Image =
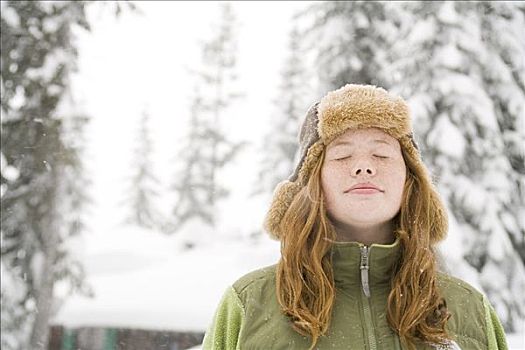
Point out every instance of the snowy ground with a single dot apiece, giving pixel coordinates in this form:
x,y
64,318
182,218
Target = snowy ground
x,y
143,280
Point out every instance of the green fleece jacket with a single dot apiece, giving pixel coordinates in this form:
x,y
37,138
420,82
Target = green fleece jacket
x,y
249,316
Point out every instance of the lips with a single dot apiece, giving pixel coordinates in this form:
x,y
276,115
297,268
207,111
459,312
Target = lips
x,y
364,188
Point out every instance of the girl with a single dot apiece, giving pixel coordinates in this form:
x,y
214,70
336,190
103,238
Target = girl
x,y
358,222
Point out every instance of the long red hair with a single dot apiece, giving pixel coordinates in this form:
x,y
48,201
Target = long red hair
x,y
305,279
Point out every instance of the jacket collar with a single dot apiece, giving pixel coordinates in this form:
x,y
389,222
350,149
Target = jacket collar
x,y
346,262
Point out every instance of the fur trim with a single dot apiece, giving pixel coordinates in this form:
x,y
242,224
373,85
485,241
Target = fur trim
x,y
286,191
282,198
357,106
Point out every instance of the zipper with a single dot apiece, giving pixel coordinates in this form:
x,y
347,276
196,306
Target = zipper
x,y
365,298
364,271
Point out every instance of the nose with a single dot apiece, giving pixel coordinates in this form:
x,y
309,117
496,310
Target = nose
x,y
361,168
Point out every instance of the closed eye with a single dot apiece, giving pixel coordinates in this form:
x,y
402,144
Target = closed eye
x,y
343,158
378,156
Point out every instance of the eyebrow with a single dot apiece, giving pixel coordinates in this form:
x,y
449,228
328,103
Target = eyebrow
x,y
350,143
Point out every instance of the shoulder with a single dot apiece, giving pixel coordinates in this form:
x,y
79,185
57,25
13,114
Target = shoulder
x,y
462,298
256,281
454,287
467,309
256,277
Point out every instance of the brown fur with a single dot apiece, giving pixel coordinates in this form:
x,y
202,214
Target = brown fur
x,y
357,107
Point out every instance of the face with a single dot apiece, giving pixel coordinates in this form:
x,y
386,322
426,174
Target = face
x,y
362,178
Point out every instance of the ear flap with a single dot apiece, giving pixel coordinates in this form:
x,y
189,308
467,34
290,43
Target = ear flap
x,y
282,198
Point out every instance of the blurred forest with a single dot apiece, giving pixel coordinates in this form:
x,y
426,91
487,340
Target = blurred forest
x,y
460,65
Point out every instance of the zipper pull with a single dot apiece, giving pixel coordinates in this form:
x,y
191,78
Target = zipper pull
x,y
364,271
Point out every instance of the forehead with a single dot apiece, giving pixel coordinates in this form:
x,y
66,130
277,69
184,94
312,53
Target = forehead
x,y
364,136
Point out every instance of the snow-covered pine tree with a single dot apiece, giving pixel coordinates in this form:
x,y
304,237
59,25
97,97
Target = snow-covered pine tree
x,y
463,84
502,30
208,149
73,192
36,59
192,180
75,183
142,193
280,145
351,41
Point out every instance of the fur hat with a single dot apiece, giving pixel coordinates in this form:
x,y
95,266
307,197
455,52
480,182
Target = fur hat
x,y
349,107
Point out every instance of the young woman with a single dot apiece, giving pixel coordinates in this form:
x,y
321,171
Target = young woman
x,y
358,222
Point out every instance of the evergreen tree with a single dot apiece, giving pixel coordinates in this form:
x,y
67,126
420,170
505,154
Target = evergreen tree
x,y
466,88
207,149
143,192
37,58
280,145
43,181
350,41
72,192
502,31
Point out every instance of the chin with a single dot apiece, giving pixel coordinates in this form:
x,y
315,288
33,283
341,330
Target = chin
x,y
363,220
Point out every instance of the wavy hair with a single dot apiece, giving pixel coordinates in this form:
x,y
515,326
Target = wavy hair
x,y
305,280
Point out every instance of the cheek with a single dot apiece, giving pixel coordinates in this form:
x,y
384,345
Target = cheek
x,y
331,178
398,180
328,184
393,176
325,188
